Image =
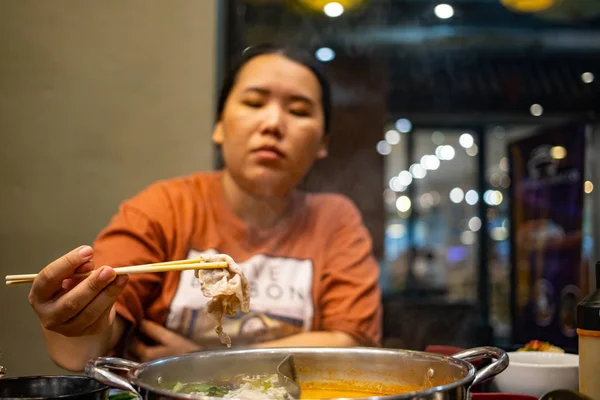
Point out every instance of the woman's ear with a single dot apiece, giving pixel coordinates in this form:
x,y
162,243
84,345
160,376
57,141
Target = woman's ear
x,y
323,150
217,136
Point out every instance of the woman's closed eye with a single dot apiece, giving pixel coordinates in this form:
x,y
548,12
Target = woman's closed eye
x,y
301,110
254,99
254,103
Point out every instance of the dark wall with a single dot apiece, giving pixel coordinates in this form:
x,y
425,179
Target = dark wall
x,y
354,167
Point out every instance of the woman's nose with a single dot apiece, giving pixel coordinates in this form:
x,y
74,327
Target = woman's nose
x,y
273,120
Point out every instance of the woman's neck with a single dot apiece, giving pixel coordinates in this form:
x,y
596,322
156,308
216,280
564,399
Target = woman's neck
x,y
258,212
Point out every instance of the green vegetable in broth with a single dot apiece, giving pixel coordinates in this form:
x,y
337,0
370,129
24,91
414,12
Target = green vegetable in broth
x,y
239,387
196,388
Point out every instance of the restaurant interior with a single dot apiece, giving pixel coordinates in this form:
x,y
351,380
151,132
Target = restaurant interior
x,y
428,98
438,106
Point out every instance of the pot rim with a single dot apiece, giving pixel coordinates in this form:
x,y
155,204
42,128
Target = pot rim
x,y
466,381
103,387
571,360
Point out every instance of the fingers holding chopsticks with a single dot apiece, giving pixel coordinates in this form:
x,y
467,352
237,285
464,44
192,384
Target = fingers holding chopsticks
x,y
70,283
50,279
90,297
75,306
72,298
94,317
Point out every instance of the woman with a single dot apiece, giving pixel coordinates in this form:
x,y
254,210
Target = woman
x,y
308,256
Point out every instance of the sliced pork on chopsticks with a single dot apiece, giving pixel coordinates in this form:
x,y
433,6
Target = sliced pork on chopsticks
x,y
227,289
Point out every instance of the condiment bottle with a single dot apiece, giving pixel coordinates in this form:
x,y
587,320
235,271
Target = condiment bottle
x,y
588,330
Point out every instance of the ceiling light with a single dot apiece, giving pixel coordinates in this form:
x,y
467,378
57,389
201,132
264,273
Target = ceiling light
x,y
403,204
558,152
472,197
333,9
392,137
456,195
493,197
430,162
528,6
466,140
447,153
444,11
403,125
325,54
588,187
536,110
475,224
417,171
405,178
396,185
587,77
384,148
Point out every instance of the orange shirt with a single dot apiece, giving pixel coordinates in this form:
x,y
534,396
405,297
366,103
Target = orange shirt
x,y
315,271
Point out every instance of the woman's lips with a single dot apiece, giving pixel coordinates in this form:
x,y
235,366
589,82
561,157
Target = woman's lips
x,y
269,153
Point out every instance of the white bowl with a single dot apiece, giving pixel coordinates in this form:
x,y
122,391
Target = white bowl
x,y
536,373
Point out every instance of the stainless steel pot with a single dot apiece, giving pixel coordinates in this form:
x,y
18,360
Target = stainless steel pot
x,y
438,377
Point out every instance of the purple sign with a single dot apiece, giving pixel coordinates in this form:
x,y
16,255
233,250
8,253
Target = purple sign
x,y
546,204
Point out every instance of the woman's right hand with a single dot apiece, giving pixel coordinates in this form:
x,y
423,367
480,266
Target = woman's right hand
x,y
73,307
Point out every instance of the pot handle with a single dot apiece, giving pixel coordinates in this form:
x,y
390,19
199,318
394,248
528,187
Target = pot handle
x,y
99,369
498,365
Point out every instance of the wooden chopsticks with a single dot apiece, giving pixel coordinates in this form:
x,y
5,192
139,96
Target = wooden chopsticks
x,y
180,265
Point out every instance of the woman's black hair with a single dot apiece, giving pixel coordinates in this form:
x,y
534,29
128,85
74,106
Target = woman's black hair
x,y
297,55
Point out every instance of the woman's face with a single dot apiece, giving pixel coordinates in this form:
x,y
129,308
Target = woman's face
x,y
272,126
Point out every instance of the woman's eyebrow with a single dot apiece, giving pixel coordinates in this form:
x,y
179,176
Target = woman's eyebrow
x,y
292,97
256,89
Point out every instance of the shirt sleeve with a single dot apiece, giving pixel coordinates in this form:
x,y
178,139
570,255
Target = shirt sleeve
x,y
351,295
137,234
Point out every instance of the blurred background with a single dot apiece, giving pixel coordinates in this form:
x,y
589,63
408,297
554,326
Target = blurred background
x,y
434,102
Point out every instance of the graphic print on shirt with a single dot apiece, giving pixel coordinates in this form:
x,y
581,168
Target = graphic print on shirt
x,y
280,303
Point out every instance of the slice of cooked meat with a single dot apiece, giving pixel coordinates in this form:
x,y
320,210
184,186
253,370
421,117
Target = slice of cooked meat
x,y
227,289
